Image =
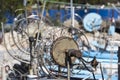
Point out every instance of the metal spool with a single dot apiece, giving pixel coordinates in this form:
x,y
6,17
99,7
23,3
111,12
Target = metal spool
x,y
59,47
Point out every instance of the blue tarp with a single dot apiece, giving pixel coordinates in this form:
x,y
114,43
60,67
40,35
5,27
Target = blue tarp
x,y
105,13
100,54
9,18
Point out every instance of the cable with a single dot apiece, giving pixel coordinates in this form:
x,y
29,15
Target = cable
x,y
86,66
101,72
93,75
89,70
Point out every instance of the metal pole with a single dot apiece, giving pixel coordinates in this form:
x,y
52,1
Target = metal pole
x,y
41,20
68,70
67,62
73,17
72,13
118,63
31,40
3,67
25,5
25,2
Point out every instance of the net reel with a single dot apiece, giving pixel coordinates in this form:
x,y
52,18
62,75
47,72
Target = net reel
x,y
92,22
59,48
